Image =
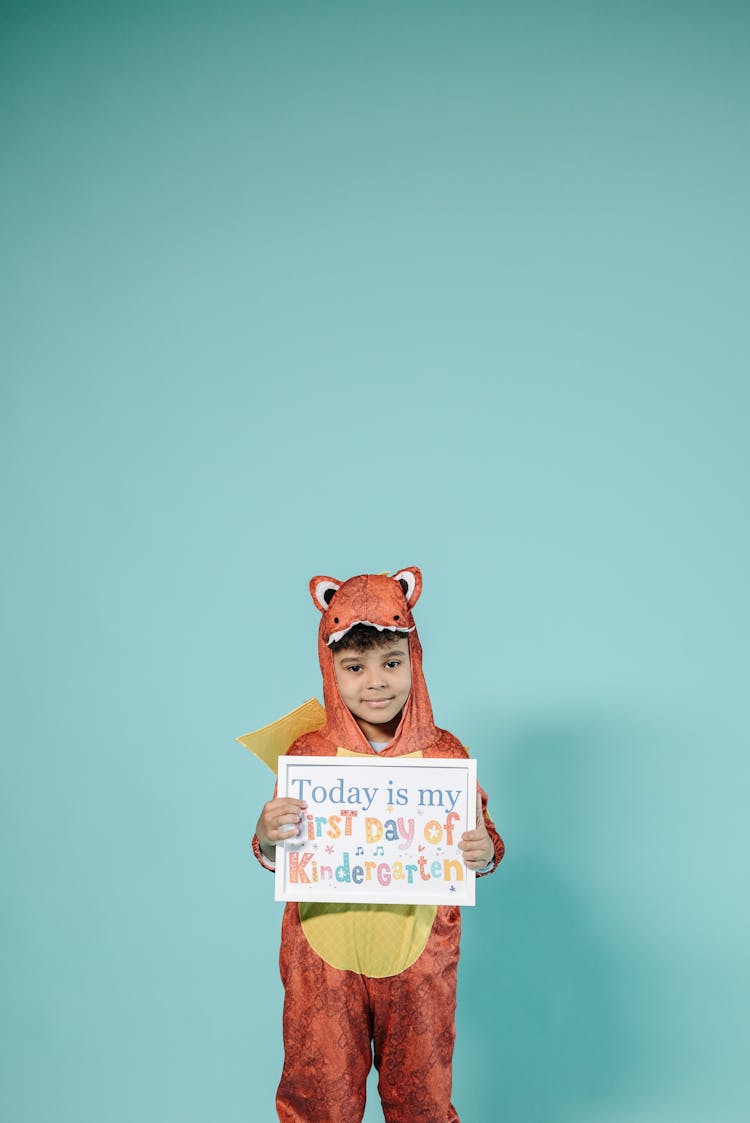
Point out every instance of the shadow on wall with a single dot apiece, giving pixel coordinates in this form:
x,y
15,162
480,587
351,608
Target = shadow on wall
x,y
541,1029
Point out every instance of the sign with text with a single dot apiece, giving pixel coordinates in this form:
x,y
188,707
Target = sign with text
x,y
377,830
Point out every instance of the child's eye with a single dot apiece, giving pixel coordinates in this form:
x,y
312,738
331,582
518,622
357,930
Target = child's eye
x,y
392,664
354,667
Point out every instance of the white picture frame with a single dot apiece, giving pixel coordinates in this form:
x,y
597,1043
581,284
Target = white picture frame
x,y
378,830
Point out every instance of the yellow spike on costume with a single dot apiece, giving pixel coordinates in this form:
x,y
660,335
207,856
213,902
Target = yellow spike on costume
x,y
272,741
341,751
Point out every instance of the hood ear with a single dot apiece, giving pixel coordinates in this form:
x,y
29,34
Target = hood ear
x,y
410,581
321,591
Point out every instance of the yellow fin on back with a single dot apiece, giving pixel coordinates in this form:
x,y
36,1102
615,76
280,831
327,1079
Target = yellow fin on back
x,y
272,741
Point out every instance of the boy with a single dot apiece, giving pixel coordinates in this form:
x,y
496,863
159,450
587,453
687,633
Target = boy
x,y
359,978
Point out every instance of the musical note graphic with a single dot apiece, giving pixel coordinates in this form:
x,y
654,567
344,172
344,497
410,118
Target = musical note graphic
x,y
378,851
358,851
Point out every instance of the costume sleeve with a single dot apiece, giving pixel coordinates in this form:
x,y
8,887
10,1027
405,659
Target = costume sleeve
x,y
266,863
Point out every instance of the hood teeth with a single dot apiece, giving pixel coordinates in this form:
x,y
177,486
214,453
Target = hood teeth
x,y
336,636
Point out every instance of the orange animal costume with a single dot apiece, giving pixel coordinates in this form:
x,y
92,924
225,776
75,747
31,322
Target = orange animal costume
x,y
363,978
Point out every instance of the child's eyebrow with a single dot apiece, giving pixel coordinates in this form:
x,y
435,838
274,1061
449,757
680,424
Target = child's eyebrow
x,y
384,654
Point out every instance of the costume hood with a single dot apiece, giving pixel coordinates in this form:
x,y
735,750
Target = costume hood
x,y
384,603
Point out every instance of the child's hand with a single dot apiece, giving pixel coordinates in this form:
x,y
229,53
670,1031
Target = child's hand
x,y
279,820
477,847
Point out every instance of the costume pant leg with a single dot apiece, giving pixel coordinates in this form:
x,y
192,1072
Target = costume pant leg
x,y
327,1035
414,1030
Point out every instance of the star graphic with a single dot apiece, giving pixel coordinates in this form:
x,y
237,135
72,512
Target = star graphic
x,y
453,889
329,850
432,834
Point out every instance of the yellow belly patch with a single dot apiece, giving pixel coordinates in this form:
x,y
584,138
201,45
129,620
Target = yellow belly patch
x,y
374,940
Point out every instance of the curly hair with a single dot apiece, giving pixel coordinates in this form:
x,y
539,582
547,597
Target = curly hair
x,y
363,637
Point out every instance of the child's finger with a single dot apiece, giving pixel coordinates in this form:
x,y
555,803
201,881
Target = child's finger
x,y
474,836
287,803
288,823
281,819
478,858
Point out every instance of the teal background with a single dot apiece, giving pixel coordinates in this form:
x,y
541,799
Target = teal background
x,y
322,288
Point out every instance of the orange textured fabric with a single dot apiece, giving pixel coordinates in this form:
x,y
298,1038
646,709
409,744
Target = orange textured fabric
x,y
334,1020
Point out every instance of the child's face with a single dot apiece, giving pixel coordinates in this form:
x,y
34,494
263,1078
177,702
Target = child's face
x,y
375,685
